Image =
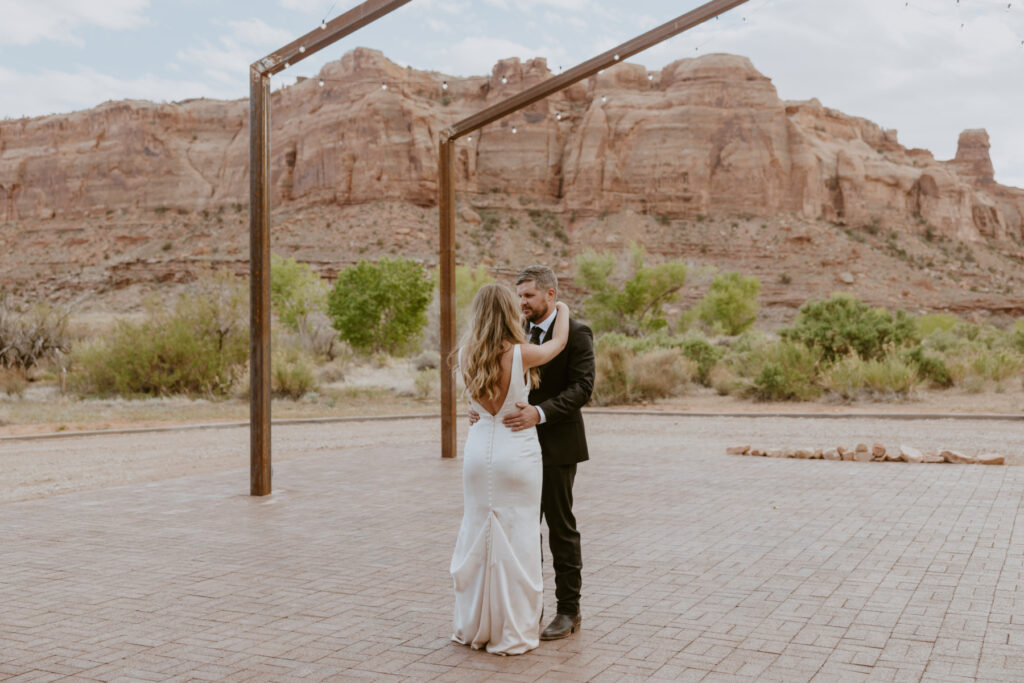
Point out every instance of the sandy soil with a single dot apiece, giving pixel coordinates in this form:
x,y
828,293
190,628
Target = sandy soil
x,y
34,468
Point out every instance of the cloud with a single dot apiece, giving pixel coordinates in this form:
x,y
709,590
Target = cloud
x,y
50,91
226,59
25,23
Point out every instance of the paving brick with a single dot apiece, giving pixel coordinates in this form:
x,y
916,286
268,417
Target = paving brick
x,y
725,568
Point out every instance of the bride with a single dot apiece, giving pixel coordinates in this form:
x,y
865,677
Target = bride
x,y
496,566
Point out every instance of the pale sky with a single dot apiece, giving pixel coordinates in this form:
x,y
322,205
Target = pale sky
x,y
929,68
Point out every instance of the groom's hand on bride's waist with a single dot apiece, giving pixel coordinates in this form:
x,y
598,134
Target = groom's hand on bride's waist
x,y
527,416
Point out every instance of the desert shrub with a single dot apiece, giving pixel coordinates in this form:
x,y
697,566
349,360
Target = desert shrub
x,y
702,353
842,325
934,322
13,381
1017,335
625,375
291,373
788,371
31,335
632,304
845,377
890,374
381,307
428,383
929,368
730,306
725,381
198,347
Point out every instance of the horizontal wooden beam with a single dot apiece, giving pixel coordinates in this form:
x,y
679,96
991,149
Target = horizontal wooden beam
x,y
590,67
319,38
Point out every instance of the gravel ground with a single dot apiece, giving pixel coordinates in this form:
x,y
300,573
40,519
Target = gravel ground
x,y
38,468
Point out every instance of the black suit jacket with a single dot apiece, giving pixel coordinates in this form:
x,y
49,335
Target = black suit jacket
x,y
566,383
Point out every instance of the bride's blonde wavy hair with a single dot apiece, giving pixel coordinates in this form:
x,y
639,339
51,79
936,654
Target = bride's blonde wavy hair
x,y
496,323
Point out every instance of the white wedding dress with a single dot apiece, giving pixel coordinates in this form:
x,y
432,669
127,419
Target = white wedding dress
x,y
496,566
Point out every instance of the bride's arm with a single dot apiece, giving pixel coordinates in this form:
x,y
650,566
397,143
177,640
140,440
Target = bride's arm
x,y
535,355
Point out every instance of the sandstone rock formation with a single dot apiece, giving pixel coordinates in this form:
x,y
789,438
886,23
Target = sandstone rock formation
x,y
703,136
878,453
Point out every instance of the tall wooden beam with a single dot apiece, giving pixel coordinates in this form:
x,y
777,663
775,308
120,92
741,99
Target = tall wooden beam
x,y
259,283
446,204
491,114
259,218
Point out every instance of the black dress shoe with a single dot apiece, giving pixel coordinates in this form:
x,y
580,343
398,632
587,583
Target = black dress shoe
x,y
562,626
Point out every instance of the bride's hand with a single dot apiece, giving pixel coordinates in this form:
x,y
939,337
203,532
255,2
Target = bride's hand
x,y
560,305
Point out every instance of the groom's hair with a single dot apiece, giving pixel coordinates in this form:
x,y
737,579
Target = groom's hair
x,y
542,276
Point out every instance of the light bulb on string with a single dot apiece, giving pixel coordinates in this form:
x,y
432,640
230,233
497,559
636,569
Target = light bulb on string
x,y
286,65
615,57
444,85
323,23
383,86
514,130
321,83
650,77
558,117
302,48
469,139
504,79
604,98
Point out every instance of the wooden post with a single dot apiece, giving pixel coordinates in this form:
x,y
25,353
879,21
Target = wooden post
x,y
446,266
259,282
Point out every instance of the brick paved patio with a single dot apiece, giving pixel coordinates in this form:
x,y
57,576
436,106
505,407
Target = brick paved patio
x,y
697,566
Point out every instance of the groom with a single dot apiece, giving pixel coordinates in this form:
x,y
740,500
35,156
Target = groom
x,y
565,386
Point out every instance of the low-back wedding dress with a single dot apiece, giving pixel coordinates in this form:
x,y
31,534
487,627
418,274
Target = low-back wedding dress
x,y
496,566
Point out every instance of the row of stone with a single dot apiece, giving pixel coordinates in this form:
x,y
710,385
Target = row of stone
x,y
876,453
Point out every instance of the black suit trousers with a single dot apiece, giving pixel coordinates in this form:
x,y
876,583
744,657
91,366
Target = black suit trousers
x,y
563,538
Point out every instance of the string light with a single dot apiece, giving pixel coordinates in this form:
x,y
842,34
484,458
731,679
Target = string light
x,y
558,117
615,56
604,98
444,85
321,83
383,86
650,77
302,48
323,23
514,130
504,79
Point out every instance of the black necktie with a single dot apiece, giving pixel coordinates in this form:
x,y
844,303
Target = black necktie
x,y
535,334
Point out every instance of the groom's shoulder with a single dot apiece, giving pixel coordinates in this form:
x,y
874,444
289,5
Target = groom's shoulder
x,y
576,328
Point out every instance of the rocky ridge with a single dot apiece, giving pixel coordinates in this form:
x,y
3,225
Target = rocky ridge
x,y
701,160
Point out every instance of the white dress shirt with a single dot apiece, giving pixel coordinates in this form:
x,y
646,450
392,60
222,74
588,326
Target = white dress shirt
x,y
544,326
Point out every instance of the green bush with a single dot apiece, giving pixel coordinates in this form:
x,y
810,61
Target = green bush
x,y
890,374
467,282
381,307
199,347
296,291
428,384
934,322
730,306
930,368
788,372
701,352
842,325
630,305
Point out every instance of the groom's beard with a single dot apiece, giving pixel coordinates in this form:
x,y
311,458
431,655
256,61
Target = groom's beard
x,y
535,315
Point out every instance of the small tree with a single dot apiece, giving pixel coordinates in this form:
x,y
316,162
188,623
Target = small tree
x,y
842,324
730,306
635,304
381,306
467,282
296,291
